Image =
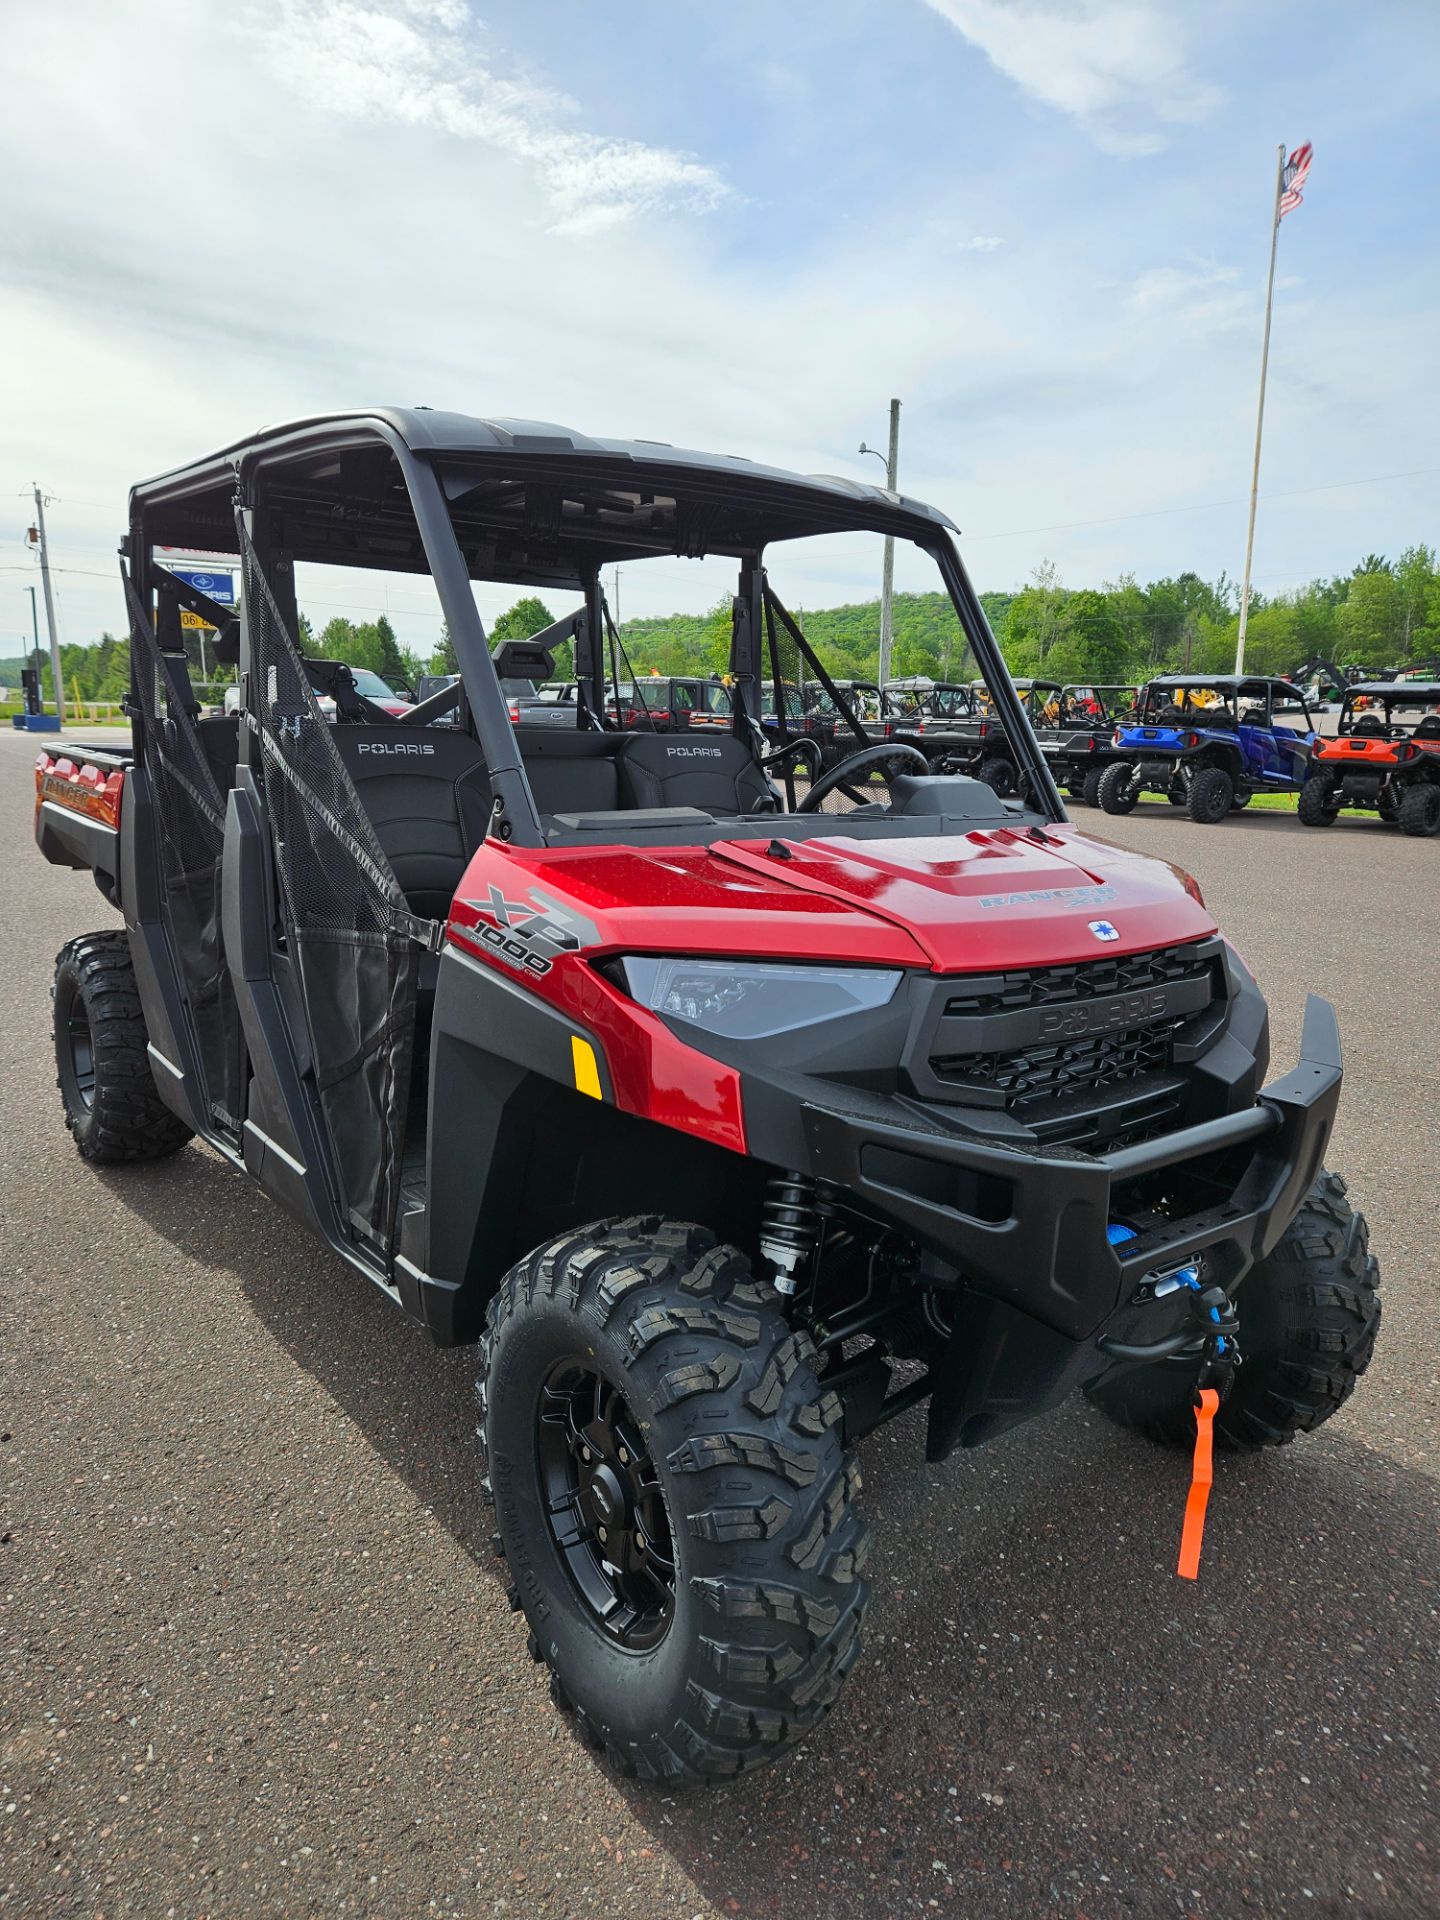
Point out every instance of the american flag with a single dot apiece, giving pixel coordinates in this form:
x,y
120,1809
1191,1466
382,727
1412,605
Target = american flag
x,y
1297,171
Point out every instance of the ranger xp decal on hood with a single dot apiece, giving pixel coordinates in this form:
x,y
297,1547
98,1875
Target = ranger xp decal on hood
x,y
1067,896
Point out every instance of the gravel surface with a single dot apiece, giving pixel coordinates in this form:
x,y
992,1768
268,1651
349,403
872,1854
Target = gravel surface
x,y
257,1660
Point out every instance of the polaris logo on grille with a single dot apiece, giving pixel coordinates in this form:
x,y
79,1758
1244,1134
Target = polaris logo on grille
x,y
1130,1010
1103,930
396,746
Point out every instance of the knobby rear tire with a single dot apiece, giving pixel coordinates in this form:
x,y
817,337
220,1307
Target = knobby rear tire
x,y
998,773
1419,811
1114,790
1317,806
758,1487
112,1105
1212,792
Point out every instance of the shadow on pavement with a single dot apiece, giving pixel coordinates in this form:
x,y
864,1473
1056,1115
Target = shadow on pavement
x,y
1045,1718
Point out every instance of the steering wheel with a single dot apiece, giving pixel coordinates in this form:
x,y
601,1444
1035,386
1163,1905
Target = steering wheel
x,y
838,776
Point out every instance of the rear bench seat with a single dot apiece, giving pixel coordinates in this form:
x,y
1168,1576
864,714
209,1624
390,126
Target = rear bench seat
x,y
573,773
428,795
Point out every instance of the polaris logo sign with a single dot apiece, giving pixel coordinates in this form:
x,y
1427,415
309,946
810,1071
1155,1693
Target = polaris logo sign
x,y
1078,1019
396,746
694,753
1103,1016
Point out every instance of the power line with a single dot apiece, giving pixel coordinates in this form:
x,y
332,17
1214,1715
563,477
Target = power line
x,y
89,573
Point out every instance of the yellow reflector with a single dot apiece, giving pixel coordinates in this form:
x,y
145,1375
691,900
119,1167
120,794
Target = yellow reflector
x,y
587,1069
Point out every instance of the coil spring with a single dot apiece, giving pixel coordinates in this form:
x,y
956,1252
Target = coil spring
x,y
790,1227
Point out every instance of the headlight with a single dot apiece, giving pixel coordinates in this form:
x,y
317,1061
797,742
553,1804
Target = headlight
x,y
752,1001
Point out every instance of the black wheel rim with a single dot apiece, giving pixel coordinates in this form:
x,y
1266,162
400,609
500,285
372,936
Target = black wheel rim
x,y
604,1506
80,1056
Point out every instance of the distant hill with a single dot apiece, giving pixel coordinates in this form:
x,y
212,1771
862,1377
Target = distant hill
x,y
926,637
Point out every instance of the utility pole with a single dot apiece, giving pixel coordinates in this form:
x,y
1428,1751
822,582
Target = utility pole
x,y
1260,415
49,606
887,579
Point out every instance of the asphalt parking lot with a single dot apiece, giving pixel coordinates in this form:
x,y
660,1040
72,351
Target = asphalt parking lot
x,y
257,1661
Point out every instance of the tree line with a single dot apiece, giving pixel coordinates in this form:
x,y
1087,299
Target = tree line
x,y
1384,613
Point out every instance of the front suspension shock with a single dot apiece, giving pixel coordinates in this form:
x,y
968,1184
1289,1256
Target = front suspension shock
x,y
790,1228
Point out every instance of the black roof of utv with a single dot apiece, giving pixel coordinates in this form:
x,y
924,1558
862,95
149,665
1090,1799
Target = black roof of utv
x,y
531,501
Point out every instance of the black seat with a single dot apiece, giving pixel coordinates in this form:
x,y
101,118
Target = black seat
x,y
1369,723
570,771
220,741
714,772
1429,728
428,797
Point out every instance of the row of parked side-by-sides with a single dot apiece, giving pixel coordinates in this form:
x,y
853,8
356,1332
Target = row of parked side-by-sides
x,y
1210,745
1205,743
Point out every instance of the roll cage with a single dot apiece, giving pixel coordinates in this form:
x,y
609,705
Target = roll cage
x,y
1079,704
1173,700
538,506
1392,696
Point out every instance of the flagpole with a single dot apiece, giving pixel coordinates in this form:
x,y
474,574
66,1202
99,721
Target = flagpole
x,y
1259,417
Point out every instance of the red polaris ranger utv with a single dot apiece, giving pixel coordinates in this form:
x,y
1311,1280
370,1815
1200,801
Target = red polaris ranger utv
x,y
731,1115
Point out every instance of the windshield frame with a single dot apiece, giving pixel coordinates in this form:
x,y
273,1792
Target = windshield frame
x,y
771,508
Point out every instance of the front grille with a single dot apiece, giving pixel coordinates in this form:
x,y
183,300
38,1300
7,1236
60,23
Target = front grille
x,y
1096,1062
1082,980
997,1044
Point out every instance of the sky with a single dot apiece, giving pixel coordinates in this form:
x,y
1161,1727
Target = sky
x,y
1043,224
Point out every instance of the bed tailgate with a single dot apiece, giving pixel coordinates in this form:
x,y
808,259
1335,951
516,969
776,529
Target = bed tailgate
x,y
78,797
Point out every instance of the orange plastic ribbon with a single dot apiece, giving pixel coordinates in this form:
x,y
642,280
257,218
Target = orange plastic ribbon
x,y
1202,1473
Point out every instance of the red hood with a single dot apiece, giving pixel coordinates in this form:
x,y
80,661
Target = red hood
x,y
970,903
1003,899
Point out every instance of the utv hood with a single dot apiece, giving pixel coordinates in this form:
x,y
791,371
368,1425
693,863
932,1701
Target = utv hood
x,y
970,902
1001,899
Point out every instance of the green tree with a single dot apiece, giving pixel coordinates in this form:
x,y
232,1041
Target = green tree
x,y
395,661
1372,620
1036,621
1092,643
1418,579
443,659
337,640
527,616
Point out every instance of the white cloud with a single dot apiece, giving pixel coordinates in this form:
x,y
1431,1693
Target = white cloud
x,y
170,281
1107,63
1202,298
980,243
415,63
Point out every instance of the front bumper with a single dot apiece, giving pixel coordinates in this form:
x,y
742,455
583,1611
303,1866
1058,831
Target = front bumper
x,y
1024,1234
1030,1227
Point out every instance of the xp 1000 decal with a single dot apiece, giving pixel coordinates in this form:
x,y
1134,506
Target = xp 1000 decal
x,y
527,934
